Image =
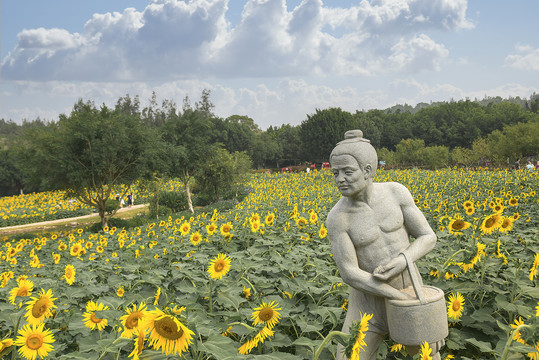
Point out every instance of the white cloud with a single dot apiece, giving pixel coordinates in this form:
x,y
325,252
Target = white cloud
x,y
174,39
416,54
527,58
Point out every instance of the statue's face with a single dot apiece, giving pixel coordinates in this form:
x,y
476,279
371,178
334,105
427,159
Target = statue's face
x,y
349,177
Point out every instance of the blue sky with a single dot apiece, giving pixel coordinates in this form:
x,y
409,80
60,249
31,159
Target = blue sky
x,y
273,60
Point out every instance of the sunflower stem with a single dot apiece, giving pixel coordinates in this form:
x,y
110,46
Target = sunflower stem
x,y
252,286
211,296
327,340
510,339
15,333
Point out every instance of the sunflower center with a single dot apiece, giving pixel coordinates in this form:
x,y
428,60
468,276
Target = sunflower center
x,y
266,314
490,222
219,266
132,320
39,308
506,224
458,224
167,328
22,292
95,319
226,228
456,306
34,342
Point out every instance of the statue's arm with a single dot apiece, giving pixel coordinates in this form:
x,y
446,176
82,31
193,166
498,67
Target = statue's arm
x,y
416,224
345,256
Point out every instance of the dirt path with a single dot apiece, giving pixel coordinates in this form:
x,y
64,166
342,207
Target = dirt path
x,y
74,221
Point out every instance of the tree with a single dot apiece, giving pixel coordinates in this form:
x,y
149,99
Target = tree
x,y
289,140
408,152
322,130
90,153
188,143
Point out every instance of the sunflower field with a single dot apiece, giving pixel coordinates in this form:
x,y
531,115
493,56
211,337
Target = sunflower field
x,y
259,281
52,205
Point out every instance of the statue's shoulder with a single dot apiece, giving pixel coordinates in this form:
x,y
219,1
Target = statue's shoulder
x,y
336,214
395,189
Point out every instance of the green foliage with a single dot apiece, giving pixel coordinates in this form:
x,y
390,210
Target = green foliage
x,y
408,152
434,157
322,130
111,205
219,173
174,200
90,152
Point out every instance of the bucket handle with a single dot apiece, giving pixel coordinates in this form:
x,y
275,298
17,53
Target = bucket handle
x,y
414,276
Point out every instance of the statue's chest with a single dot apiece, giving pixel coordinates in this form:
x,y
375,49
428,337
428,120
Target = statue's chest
x,y
366,224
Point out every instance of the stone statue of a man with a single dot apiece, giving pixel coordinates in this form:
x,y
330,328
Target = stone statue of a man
x,y
369,228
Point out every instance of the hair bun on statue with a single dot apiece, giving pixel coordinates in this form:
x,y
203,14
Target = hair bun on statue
x,y
354,136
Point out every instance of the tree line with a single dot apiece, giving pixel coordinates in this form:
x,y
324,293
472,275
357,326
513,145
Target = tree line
x,y
98,145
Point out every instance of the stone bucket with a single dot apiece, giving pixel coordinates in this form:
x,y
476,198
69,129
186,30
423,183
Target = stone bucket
x,y
419,319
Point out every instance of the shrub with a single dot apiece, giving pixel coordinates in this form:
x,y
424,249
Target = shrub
x,y
174,200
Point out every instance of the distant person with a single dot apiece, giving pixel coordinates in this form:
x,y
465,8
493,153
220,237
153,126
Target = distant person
x,y
120,200
130,200
529,166
517,164
537,166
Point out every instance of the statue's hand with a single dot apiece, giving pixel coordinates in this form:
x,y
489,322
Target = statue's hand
x,y
394,267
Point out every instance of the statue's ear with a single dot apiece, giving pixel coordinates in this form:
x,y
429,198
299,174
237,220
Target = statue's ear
x,y
367,171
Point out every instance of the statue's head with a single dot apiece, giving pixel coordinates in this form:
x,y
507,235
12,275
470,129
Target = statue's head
x,y
359,148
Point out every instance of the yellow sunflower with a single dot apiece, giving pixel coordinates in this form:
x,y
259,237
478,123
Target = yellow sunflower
x,y
225,230
470,210
195,238
513,201
133,319
91,321
323,232
457,225
166,332
4,344
507,224
302,222
533,269
39,308
157,295
75,249
138,343
69,274
269,219
517,336
454,306
425,351
255,226
24,288
491,223
211,228
185,228
267,314
358,331
254,218
120,292
313,217
257,339
219,266
534,355
34,341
